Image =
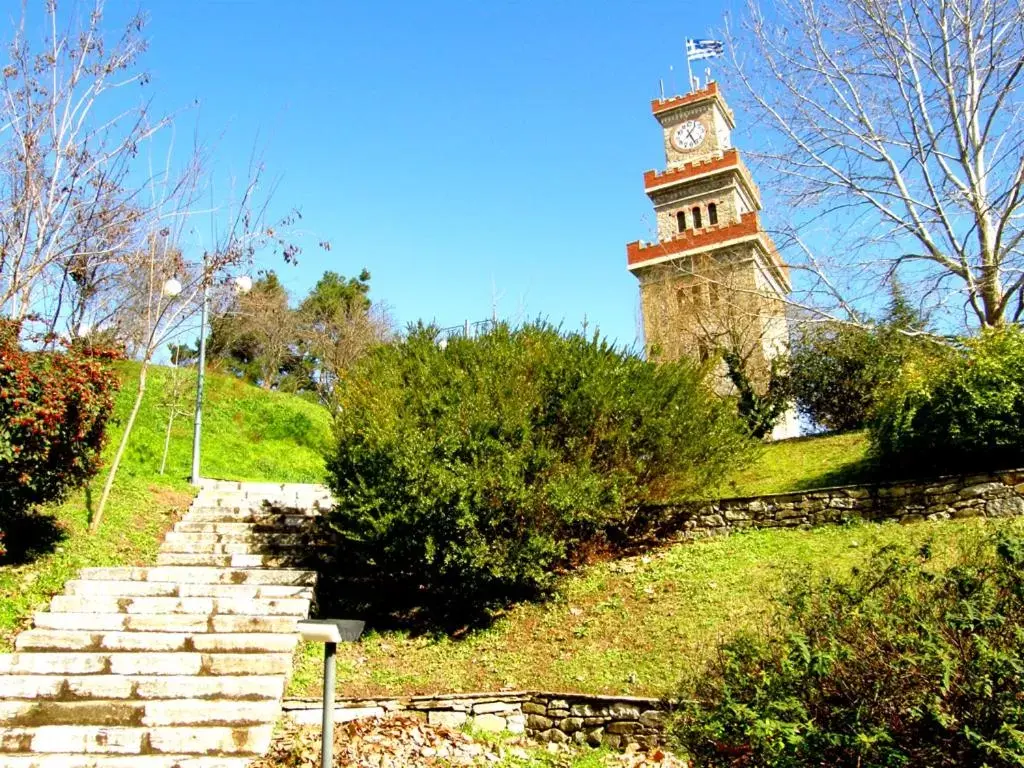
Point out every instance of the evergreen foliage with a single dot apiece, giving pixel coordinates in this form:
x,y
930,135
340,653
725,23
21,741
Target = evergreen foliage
x,y
261,338
965,411
838,373
471,470
904,663
760,410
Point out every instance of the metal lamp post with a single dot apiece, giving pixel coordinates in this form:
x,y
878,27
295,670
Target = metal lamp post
x,y
330,632
243,285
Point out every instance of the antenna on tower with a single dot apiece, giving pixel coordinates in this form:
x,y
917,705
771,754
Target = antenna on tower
x,y
661,83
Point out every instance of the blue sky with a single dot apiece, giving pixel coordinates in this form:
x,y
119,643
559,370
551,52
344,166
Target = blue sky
x,y
461,151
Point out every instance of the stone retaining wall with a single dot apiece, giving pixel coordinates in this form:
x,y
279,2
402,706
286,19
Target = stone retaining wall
x,y
619,721
614,721
993,494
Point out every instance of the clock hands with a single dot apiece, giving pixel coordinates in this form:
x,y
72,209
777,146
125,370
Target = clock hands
x,y
689,135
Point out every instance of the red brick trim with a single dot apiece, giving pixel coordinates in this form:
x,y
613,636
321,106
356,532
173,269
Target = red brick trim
x,y
747,226
729,159
663,105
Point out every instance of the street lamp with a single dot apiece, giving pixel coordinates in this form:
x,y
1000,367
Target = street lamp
x,y
330,632
172,287
242,285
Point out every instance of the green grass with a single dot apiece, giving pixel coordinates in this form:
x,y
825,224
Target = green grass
x,y
519,752
635,626
249,434
803,463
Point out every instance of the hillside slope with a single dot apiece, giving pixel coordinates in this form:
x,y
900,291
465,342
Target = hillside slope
x,y
637,626
248,434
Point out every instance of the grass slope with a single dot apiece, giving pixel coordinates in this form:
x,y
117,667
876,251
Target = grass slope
x,y
636,626
248,434
803,463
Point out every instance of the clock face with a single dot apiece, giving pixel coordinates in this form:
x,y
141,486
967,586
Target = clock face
x,y
688,135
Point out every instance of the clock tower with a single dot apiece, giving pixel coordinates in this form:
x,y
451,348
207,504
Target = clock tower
x,y
713,282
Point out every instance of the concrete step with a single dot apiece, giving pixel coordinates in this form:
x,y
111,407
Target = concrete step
x,y
286,606
270,526
232,548
203,575
80,687
64,739
149,622
213,546
86,587
255,516
122,712
307,503
128,663
79,640
255,541
115,761
226,561
181,665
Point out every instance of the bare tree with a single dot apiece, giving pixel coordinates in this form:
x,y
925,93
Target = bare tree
x,y
896,124
160,314
257,333
70,131
175,398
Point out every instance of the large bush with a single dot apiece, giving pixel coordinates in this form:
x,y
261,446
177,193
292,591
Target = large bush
x,y
53,412
473,469
903,664
962,413
838,373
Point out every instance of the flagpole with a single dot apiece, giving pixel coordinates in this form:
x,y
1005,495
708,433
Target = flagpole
x,y
689,70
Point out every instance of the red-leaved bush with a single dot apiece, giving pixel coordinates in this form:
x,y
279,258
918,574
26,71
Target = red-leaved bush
x,y
54,408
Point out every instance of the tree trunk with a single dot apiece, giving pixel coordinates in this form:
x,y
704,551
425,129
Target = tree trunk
x,y
167,440
94,524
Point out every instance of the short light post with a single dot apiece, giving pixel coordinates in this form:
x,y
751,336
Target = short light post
x,y
330,632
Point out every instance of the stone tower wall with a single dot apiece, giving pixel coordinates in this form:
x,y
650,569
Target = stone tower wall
x,y
692,307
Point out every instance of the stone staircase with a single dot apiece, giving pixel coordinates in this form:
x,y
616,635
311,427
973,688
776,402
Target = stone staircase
x,y
181,665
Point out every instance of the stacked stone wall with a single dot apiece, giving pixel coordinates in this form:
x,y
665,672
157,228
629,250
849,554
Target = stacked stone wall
x,y
613,721
993,494
617,721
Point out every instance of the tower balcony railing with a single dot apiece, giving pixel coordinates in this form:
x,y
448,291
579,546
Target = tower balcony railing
x,y
747,229
730,158
663,105
748,226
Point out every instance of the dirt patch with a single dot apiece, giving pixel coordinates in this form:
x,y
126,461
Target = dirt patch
x,y
402,740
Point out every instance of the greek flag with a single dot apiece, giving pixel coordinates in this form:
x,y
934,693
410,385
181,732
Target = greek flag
x,y
703,49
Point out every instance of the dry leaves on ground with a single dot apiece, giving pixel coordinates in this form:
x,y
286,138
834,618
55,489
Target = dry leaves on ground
x,y
402,741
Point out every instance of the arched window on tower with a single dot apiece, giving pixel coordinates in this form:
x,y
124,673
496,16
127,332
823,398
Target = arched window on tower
x,y
681,221
696,218
712,214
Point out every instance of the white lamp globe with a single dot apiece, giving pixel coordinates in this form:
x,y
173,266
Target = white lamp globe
x,y
172,288
243,284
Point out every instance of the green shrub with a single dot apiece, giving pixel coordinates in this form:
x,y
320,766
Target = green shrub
x,y
760,410
965,412
838,373
902,664
472,470
53,414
